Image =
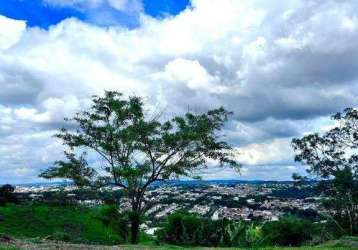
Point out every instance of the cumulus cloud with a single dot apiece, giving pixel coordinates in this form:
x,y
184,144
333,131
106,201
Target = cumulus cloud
x,y
274,152
282,67
10,31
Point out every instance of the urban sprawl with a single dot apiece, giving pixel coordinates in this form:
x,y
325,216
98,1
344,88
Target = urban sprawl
x,y
240,201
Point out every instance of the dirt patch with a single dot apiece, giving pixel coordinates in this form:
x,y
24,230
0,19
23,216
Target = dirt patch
x,y
5,239
55,245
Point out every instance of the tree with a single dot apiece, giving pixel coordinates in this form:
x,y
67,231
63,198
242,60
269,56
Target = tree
x,y
137,151
333,157
288,231
7,194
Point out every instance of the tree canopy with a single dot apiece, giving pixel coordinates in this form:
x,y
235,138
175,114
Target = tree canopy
x,y
333,158
136,150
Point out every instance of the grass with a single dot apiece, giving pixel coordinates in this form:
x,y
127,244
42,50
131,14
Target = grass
x,y
350,238
66,223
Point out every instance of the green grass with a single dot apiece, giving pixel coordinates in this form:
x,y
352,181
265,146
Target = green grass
x,y
66,223
350,238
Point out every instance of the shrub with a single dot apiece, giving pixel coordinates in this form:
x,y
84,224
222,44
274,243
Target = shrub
x,y
116,220
189,229
7,195
288,231
252,237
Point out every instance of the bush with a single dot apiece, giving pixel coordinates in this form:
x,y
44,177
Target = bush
x,y
188,229
288,231
252,237
7,195
117,221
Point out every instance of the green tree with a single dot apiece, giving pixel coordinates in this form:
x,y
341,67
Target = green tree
x,y
288,231
137,151
333,158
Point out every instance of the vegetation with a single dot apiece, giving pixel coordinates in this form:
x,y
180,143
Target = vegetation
x,y
192,230
34,222
66,223
333,157
7,195
290,231
137,150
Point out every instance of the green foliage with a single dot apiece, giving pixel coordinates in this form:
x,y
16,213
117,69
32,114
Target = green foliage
x,y
86,226
65,223
253,236
117,129
116,220
288,231
137,150
192,230
333,157
7,195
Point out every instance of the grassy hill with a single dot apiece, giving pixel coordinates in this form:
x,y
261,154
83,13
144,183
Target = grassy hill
x,y
65,223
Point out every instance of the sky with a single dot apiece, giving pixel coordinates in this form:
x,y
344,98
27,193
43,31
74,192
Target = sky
x,y
282,67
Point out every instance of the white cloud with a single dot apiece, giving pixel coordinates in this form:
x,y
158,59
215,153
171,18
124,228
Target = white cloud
x,y
282,67
190,74
10,31
274,152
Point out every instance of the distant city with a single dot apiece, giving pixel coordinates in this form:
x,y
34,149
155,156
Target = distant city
x,y
216,199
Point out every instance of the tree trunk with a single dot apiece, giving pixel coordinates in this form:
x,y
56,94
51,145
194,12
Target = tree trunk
x,y
350,212
135,223
350,222
136,215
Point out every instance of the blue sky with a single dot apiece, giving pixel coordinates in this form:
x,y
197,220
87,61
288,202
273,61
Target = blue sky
x,y
35,12
42,14
273,63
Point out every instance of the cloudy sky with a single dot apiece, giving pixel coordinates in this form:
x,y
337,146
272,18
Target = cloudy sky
x,y
283,67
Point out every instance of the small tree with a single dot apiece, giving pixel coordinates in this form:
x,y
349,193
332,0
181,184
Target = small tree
x,y
137,151
333,157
